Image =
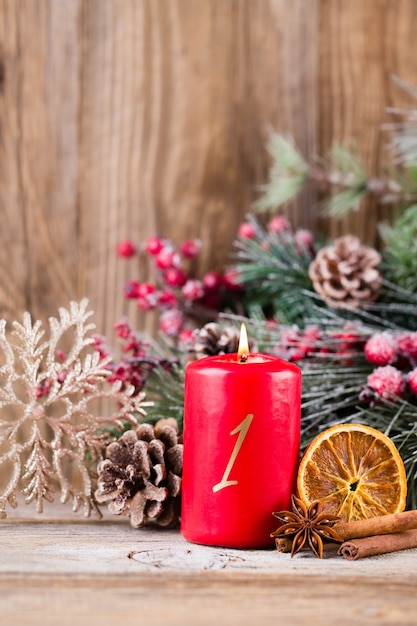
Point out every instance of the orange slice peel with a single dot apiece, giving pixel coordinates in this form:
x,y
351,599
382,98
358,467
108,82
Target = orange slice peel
x,y
355,471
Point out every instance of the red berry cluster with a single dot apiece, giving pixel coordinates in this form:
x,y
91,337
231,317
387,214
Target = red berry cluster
x,y
175,291
396,355
137,362
302,239
296,344
44,387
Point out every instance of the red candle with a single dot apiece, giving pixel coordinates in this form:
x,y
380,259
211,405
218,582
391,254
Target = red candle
x,y
241,447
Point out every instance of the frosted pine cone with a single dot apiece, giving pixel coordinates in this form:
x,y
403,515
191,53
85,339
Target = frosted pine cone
x,y
345,273
212,339
141,475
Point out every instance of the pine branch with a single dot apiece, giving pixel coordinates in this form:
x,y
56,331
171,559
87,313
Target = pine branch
x,y
288,174
166,388
403,145
340,175
400,254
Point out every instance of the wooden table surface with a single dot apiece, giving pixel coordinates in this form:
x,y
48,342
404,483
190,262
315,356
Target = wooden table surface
x,y
58,568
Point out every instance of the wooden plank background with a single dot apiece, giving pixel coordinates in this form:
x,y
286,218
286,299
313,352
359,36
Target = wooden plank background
x,y
126,118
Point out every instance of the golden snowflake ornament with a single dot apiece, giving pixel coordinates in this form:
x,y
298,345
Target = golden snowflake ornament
x,y
51,409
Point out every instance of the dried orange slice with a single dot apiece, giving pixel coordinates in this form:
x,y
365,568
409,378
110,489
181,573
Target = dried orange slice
x,y
356,471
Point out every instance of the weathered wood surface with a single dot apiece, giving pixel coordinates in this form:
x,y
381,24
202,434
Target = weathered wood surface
x,y
126,118
74,571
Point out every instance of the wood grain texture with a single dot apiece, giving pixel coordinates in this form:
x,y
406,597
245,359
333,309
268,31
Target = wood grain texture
x,y
361,45
106,572
126,118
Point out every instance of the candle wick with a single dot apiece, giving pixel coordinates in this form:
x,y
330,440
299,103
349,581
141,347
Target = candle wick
x,y
243,358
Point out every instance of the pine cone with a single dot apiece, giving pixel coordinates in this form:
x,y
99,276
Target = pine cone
x,y
345,273
212,339
141,475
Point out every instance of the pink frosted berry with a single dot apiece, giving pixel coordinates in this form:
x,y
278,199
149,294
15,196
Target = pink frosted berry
x,y
171,322
247,231
167,258
126,249
312,332
175,277
190,248
61,377
186,337
387,381
381,349
278,224
290,335
304,238
412,380
407,345
131,289
154,245
147,303
193,289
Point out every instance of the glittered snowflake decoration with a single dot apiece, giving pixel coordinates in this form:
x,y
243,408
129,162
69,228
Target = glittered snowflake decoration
x,y
52,426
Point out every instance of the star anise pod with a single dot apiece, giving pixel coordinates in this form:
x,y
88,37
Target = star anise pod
x,y
307,525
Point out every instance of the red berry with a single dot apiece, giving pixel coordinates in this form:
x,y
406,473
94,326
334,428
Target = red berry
x,y
231,279
126,249
131,289
278,224
145,289
39,391
412,380
190,247
387,381
381,349
122,329
247,231
211,281
167,298
154,245
167,258
193,290
175,277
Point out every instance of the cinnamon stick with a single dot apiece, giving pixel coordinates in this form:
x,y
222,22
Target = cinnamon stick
x,y
283,544
381,525
379,544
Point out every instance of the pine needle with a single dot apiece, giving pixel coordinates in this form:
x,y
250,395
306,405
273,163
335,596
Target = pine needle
x,y
288,173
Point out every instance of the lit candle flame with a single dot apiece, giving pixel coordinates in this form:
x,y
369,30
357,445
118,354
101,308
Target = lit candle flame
x,y
243,349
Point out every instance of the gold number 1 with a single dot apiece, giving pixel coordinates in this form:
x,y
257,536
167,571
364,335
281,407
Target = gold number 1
x,y
242,429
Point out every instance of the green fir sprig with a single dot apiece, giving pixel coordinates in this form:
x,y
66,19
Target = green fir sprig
x,y
400,253
340,175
